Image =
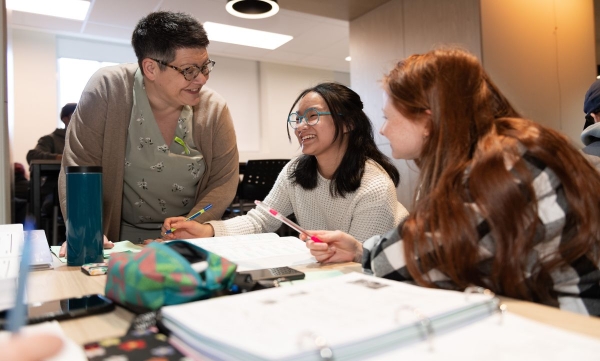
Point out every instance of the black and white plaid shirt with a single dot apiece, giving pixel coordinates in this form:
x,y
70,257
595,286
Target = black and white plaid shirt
x,y
575,288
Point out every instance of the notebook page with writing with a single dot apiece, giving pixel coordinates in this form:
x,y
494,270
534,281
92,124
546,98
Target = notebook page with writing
x,y
354,313
256,251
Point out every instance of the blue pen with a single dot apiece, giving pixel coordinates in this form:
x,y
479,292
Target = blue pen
x,y
16,315
195,215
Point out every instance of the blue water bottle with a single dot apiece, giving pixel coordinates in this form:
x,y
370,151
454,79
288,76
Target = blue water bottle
x,y
84,215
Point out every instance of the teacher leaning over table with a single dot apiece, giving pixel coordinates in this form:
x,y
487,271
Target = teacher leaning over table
x,y
503,202
165,142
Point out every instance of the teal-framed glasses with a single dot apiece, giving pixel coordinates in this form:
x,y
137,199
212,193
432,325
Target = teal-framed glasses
x,y
191,72
311,117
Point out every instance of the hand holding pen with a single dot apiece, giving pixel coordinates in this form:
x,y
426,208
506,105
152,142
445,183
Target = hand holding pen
x,y
285,220
186,229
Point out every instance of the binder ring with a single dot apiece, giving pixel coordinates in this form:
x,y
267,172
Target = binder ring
x,y
496,304
325,352
425,322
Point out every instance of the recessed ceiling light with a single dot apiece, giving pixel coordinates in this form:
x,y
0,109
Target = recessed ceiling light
x,y
70,9
252,9
348,58
244,36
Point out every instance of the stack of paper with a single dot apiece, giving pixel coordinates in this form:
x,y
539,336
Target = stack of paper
x,y
12,237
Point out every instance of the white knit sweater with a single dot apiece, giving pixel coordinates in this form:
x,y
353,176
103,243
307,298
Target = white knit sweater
x,y
372,209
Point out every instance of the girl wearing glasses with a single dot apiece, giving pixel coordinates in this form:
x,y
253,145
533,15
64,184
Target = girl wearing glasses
x,y
341,181
504,203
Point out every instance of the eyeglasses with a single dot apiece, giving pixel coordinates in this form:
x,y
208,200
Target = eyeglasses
x,y
191,72
311,117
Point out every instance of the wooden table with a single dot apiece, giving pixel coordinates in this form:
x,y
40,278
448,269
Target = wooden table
x,y
64,282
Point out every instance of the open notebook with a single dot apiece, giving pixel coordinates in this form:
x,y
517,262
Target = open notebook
x,y
352,316
256,251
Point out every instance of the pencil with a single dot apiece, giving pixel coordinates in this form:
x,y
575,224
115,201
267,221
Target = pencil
x,y
193,216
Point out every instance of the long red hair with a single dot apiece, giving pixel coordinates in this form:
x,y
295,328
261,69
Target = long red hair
x,y
474,130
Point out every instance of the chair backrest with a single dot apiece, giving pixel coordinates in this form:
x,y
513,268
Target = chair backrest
x,y
259,177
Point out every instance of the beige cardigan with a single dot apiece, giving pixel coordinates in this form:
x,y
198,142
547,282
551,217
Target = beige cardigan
x,y
97,135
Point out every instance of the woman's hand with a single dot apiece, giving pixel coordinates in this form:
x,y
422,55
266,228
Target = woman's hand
x,y
30,348
63,248
185,229
337,246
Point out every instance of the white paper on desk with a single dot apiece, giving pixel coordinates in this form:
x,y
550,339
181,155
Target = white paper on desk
x,y
8,289
70,350
516,338
11,248
41,257
256,251
11,240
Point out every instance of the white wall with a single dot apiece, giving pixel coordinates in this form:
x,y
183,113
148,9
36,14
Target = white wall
x,y
542,55
280,86
35,87
259,94
5,165
393,31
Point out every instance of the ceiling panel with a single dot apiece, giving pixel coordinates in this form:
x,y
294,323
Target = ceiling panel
x,y
120,12
320,28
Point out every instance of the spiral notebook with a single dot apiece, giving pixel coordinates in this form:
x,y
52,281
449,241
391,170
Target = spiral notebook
x,y
349,317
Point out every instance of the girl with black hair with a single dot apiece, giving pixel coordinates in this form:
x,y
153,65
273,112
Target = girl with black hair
x,y
340,182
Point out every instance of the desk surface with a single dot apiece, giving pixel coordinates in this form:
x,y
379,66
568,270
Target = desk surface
x,y
64,282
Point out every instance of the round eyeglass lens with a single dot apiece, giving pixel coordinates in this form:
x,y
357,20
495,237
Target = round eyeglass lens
x,y
294,120
311,117
191,73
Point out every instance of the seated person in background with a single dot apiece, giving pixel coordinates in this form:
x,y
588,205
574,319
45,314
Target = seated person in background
x,y
342,181
591,130
21,193
165,142
51,146
504,203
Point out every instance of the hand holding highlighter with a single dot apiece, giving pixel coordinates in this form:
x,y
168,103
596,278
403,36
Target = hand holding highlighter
x,y
285,220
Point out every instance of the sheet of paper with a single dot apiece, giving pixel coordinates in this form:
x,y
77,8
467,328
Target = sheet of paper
x,y
11,240
124,246
41,258
256,251
516,338
8,289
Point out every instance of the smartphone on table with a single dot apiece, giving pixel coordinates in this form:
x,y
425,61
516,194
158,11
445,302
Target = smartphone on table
x,y
64,309
267,274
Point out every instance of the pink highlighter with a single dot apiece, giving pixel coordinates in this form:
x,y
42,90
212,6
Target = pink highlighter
x,y
282,218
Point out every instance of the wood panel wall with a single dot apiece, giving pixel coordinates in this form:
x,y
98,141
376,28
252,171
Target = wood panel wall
x,y
393,31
